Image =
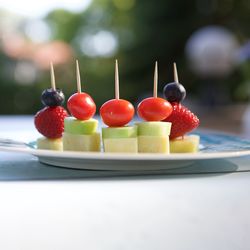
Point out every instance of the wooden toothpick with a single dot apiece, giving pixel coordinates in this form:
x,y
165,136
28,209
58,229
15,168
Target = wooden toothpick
x,y
78,78
52,76
117,96
155,79
175,74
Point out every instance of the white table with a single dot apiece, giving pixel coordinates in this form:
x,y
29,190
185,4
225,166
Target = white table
x,y
71,209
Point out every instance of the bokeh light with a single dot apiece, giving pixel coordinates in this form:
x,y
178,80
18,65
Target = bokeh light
x,y
103,43
35,9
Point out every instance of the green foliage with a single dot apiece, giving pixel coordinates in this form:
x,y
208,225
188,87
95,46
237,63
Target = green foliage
x,y
146,31
64,24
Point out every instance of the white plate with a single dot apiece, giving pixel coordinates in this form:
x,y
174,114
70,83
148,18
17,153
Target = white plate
x,y
215,146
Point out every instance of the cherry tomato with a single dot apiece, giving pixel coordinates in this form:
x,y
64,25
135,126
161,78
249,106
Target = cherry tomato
x,y
154,109
81,106
117,112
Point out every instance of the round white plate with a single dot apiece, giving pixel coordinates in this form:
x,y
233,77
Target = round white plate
x,y
214,146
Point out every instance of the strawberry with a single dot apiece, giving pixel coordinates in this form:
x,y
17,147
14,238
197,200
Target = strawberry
x,y
50,121
183,120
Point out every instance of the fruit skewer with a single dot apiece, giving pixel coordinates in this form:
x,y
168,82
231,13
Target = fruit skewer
x,y
50,120
153,134
116,113
81,128
174,91
182,119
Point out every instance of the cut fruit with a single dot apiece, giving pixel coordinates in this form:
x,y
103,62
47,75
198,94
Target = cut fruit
x,y
80,127
119,132
154,128
50,144
153,144
187,144
73,142
120,145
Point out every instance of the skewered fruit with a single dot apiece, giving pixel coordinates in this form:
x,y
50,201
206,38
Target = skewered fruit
x,y
81,135
186,144
154,128
117,112
73,142
153,137
154,109
50,121
52,98
174,92
79,127
50,144
120,139
182,119
81,106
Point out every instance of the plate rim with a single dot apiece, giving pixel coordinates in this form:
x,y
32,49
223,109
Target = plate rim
x,y
123,156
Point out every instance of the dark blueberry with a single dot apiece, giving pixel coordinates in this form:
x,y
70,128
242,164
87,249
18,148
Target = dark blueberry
x,y
52,97
174,92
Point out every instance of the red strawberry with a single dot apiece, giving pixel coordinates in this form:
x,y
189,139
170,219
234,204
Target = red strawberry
x,y
183,120
50,121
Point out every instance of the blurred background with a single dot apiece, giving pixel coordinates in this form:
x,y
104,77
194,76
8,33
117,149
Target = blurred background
x,y
208,39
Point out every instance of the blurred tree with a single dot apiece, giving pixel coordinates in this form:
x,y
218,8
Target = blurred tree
x,y
140,32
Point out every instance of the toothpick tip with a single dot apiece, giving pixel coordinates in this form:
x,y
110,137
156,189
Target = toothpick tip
x,y
155,79
52,76
176,79
78,77
117,94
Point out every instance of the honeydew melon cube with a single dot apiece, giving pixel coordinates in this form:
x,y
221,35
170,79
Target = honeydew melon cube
x,y
72,142
80,127
154,128
153,144
120,139
119,132
120,145
187,144
50,144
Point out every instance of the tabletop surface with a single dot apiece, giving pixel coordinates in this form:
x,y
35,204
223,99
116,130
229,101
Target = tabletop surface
x,y
44,207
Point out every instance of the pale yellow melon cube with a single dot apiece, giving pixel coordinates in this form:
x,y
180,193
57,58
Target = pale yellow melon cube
x,y
50,144
187,144
153,144
73,142
120,145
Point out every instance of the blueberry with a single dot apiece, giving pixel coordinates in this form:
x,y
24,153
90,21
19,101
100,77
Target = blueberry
x,y
174,92
52,97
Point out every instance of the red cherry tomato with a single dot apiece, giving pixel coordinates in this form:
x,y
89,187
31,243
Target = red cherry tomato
x,y
117,112
81,106
154,109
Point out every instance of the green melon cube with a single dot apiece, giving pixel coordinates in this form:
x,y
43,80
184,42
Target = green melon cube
x,y
154,128
79,127
119,132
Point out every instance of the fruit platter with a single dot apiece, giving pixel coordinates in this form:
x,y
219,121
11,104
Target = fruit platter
x,y
163,137
163,129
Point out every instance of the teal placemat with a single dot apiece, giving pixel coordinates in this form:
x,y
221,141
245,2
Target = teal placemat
x,y
26,167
